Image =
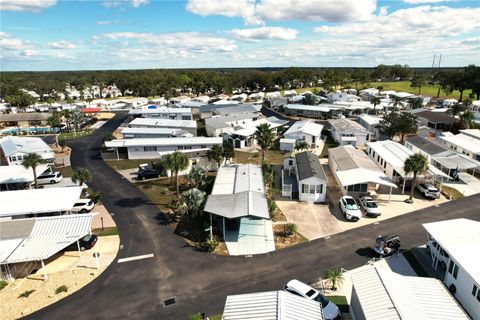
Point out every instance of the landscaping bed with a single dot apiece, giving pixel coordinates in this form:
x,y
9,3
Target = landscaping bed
x,y
282,241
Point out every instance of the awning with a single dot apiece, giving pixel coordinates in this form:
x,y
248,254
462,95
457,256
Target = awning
x,y
238,205
361,176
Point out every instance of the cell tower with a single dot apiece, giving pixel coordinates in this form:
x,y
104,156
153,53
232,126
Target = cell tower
x,y
437,60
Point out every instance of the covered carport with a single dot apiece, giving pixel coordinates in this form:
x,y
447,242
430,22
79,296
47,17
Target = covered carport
x,y
18,177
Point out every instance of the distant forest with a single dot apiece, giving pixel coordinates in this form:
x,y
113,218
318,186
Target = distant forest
x,y
166,82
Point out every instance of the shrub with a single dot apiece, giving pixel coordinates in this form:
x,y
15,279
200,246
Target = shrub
x,y
290,229
62,143
26,294
61,289
211,244
3,284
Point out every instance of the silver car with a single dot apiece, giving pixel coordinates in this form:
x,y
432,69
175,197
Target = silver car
x,y
370,206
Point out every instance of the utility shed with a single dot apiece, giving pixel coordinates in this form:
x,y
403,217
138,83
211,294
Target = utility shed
x,y
271,305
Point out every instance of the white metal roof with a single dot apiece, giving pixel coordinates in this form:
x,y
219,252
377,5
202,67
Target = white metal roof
x,y
386,295
324,107
305,126
165,123
464,141
248,129
461,239
13,144
39,238
369,119
272,305
238,191
19,174
472,132
156,131
392,152
176,141
360,176
22,202
165,110
346,126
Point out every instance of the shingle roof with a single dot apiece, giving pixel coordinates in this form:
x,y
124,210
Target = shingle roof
x,y
309,166
436,117
426,145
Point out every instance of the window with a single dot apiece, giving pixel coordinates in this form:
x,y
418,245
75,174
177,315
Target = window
x,y
385,165
450,266
455,272
203,146
304,188
19,158
319,188
150,148
474,290
290,162
13,158
312,189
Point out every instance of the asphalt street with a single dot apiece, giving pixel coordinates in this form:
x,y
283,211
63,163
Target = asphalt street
x,y
199,282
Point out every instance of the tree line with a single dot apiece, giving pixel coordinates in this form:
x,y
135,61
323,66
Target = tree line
x,y
161,82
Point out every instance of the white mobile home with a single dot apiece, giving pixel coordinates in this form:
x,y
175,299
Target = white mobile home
x,y
305,130
458,241
152,148
13,149
129,133
462,143
163,113
244,134
346,131
186,125
220,125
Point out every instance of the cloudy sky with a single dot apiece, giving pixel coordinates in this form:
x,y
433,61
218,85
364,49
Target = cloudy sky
x,y
133,34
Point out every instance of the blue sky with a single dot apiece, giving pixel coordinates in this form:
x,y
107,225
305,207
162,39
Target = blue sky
x,y
135,34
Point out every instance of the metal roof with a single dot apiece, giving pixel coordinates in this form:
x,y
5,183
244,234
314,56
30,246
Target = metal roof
x,y
32,239
461,239
248,129
347,125
175,141
436,117
165,110
271,305
13,144
464,141
475,133
226,121
309,166
455,160
156,131
238,192
239,108
392,152
162,123
305,126
32,201
369,119
386,295
348,157
19,174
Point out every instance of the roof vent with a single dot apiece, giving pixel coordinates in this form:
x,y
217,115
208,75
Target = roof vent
x,y
169,302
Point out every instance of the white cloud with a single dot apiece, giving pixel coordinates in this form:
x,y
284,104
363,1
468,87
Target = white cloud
x,y
26,5
104,22
121,3
282,10
230,8
29,53
256,34
9,43
61,45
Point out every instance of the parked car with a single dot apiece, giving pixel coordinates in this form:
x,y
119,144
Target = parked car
x,y
428,190
147,173
387,245
86,243
49,177
330,310
83,205
370,206
350,208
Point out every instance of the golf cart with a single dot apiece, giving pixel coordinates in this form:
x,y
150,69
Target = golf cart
x,y
387,245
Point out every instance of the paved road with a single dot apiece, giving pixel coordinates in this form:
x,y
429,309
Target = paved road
x,y
199,281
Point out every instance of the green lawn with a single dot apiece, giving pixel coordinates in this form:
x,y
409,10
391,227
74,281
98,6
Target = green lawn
x,y
453,193
127,164
273,156
72,135
111,231
160,192
428,90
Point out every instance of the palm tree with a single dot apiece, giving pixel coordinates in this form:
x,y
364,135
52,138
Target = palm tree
x,y
193,200
467,118
265,137
178,162
196,178
376,101
334,276
417,164
301,145
456,109
396,101
81,175
216,154
32,160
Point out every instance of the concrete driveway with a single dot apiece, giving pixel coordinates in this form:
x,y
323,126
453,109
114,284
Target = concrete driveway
x,y
313,220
